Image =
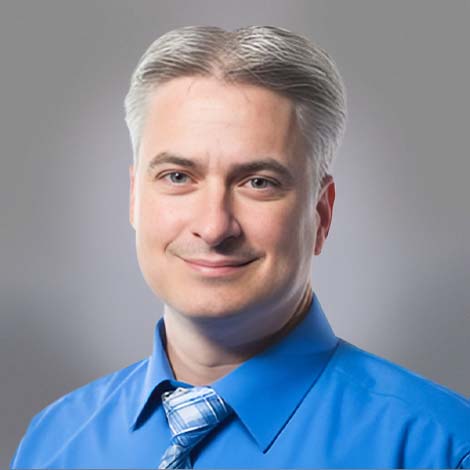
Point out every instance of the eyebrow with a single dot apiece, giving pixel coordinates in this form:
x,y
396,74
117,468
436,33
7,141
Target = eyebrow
x,y
266,163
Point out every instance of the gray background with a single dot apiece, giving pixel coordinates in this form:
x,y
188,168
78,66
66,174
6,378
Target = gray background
x,y
394,277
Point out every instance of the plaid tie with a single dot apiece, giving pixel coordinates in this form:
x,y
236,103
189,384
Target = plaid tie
x,y
192,413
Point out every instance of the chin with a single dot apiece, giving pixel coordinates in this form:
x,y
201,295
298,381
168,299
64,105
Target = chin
x,y
212,307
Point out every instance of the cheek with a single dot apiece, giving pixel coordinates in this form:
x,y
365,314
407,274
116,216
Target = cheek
x,y
157,220
291,238
276,230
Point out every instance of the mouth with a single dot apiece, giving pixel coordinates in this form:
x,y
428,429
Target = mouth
x,y
217,268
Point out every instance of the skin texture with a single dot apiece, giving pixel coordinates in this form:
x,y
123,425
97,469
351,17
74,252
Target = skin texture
x,y
208,206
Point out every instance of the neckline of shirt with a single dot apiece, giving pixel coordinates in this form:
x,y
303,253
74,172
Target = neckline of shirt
x,y
276,379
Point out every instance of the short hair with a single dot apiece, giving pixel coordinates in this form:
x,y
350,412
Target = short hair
x,y
267,56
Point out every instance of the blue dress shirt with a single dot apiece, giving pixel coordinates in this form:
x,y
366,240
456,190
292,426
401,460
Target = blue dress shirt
x,y
310,400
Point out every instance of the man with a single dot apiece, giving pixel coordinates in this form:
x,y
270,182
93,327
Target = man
x,y
231,197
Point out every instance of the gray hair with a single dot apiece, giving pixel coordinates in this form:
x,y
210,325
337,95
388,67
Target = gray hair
x,y
266,56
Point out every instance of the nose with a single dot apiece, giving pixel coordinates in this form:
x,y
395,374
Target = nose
x,y
214,220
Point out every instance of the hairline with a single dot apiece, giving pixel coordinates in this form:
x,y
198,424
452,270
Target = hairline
x,y
218,75
301,71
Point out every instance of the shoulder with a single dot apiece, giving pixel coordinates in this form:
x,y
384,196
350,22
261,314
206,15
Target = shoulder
x,y
59,421
79,403
414,394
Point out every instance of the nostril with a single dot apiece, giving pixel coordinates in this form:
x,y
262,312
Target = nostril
x,y
216,230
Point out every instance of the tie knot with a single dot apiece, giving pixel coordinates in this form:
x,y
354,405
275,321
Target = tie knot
x,y
192,413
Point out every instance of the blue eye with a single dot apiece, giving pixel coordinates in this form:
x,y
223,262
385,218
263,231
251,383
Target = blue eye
x,y
261,183
176,177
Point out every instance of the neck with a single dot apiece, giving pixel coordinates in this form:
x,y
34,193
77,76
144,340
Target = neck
x,y
200,353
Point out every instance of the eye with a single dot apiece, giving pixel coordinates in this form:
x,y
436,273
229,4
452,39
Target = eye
x,y
261,183
176,177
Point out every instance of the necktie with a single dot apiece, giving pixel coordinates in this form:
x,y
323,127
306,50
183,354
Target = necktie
x,y
192,413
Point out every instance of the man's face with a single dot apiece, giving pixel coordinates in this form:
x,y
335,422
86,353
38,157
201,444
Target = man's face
x,y
222,199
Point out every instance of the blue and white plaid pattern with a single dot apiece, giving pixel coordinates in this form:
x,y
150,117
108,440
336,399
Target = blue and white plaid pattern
x,y
192,413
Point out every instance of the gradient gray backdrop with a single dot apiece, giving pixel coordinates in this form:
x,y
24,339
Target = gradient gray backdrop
x,y
395,275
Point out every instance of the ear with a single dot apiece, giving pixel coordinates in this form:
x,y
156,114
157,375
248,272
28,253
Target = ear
x,y
131,194
324,212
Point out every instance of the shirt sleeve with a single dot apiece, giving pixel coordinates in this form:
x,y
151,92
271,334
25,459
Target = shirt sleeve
x,y
21,459
15,460
465,462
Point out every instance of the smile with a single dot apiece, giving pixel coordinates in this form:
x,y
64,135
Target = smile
x,y
217,268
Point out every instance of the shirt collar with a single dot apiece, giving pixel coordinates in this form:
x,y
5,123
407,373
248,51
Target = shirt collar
x,y
266,390
276,379
158,378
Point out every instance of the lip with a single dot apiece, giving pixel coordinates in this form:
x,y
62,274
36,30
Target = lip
x,y
216,268
218,263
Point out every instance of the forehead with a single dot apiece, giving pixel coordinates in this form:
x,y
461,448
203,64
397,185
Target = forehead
x,y
205,117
